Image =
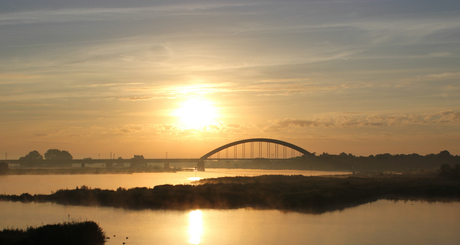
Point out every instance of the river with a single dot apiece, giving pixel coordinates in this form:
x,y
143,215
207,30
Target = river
x,y
45,184
381,222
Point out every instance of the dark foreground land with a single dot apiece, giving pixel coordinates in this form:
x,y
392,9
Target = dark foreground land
x,y
72,233
286,193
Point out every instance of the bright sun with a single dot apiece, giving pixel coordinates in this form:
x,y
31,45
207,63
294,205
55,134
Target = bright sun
x,y
196,113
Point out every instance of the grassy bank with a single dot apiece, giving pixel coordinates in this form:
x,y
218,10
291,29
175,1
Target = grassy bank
x,y
71,233
289,193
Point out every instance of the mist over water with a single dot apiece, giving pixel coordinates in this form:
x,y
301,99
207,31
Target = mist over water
x,y
45,184
381,222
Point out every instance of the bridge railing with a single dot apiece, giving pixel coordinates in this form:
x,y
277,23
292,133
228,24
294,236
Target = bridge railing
x,y
257,148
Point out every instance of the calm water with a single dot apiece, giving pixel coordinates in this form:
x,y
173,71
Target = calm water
x,y
44,184
381,222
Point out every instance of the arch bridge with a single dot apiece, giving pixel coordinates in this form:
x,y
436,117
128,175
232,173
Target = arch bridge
x,y
257,148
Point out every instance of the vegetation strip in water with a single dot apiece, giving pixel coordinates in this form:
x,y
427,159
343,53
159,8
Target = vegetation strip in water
x,y
69,233
288,193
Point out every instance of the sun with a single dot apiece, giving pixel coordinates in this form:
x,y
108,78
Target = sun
x,y
196,113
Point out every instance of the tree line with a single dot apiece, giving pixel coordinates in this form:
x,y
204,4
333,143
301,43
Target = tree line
x,y
56,156
34,157
51,154
380,162
324,161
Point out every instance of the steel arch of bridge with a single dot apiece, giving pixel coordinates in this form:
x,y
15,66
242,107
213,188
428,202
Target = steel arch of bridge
x,y
279,142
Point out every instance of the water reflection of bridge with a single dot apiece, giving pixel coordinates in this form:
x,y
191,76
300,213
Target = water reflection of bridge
x,y
248,149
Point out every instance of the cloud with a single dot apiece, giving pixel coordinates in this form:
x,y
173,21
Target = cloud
x,y
14,78
171,129
72,14
136,98
28,104
440,54
299,123
199,88
132,128
233,125
292,88
448,117
435,77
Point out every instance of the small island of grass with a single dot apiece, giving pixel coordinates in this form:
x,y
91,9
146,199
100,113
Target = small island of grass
x,y
69,233
287,193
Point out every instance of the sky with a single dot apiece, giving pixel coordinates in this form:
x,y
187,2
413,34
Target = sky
x,y
185,77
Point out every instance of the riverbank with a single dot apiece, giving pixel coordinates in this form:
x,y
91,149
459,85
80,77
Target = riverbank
x,y
44,171
70,233
287,193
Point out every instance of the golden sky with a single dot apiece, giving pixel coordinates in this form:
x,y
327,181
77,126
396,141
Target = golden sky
x,y
184,77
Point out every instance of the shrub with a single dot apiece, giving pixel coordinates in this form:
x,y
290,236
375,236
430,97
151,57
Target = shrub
x,y
70,233
4,167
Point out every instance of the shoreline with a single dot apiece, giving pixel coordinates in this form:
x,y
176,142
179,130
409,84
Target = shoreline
x,y
51,171
115,170
297,193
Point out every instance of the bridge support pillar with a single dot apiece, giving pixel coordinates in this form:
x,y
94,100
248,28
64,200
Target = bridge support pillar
x,y
200,165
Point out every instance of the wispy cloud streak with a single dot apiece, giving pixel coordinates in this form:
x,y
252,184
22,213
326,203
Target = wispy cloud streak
x,y
448,117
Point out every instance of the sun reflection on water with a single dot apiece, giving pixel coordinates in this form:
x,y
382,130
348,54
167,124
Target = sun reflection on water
x,y
195,227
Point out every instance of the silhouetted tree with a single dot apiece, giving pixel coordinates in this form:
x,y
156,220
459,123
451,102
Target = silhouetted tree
x,y
55,154
384,156
32,156
87,160
120,162
456,171
137,161
444,154
4,167
447,171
